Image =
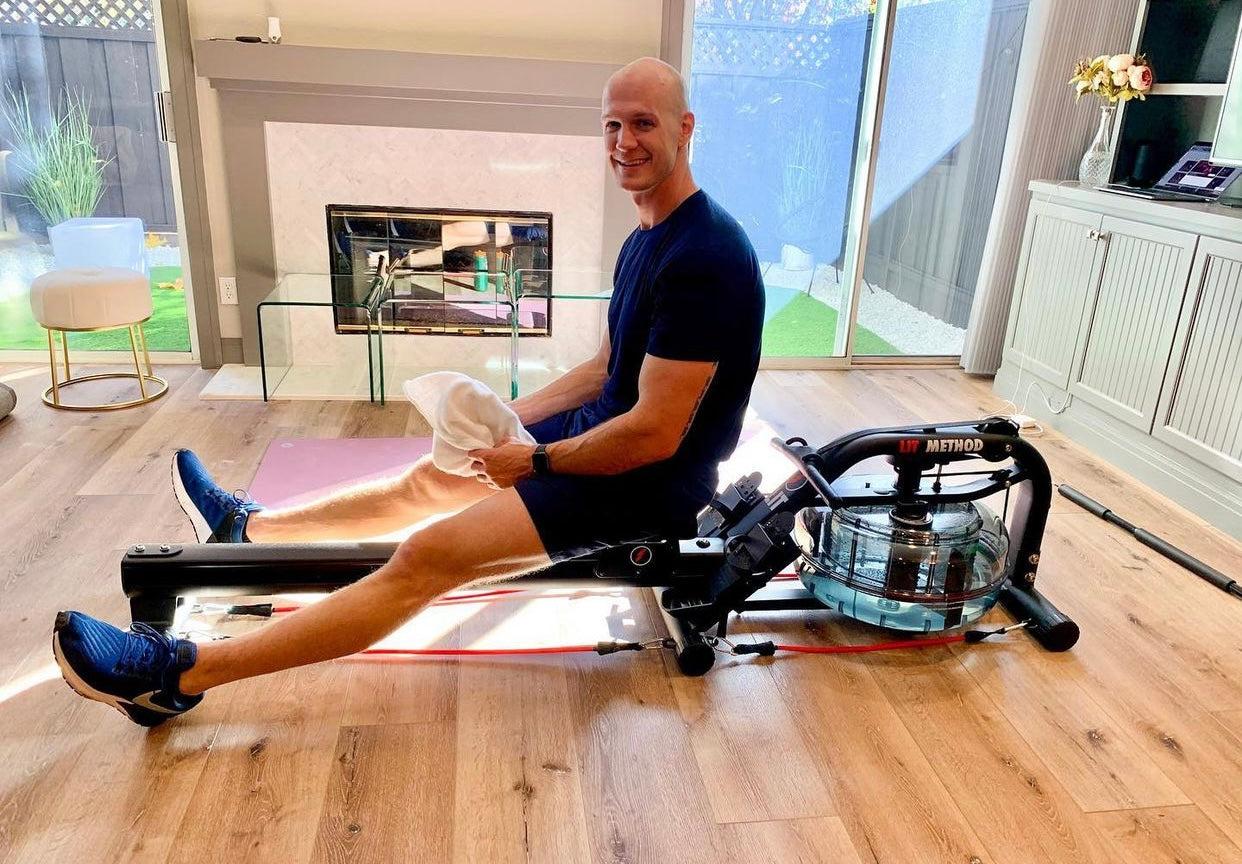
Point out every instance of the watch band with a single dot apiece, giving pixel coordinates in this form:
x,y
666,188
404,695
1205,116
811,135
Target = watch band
x,y
540,462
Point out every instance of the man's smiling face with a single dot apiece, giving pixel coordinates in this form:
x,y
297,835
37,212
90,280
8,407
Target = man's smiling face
x,y
643,132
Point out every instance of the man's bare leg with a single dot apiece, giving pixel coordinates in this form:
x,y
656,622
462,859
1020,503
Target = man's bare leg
x,y
370,509
493,538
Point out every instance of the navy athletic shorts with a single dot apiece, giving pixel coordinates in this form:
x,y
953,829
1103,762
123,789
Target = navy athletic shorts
x,y
577,514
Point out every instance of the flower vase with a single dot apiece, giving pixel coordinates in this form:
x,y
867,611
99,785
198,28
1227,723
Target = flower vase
x,y
1097,163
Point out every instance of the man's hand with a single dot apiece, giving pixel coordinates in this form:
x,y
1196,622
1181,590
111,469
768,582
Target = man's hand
x,y
504,465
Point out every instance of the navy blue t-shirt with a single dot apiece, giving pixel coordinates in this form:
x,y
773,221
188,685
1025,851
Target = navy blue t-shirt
x,y
688,288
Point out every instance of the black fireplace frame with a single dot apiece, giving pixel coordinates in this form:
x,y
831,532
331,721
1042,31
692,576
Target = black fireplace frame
x,y
346,283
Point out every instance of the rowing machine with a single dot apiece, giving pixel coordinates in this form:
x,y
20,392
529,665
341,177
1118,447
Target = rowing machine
x,y
910,549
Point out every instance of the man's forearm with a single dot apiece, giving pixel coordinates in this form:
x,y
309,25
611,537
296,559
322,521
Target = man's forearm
x,y
618,445
576,387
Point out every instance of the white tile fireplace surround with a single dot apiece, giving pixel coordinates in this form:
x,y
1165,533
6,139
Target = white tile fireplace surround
x,y
313,165
307,126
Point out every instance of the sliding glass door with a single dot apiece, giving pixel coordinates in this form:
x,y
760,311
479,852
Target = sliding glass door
x,y
80,141
867,249
776,90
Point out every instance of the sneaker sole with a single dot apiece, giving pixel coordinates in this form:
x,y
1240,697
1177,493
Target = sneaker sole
x,y
77,685
202,531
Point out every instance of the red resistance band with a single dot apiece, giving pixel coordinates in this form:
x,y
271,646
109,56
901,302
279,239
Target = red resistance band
x,y
763,649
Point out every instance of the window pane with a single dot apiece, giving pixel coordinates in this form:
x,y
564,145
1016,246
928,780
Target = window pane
x,y
55,95
946,111
776,88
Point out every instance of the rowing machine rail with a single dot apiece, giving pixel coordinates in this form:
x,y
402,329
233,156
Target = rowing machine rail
x,y
744,540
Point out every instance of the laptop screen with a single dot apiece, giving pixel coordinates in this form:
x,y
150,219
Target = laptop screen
x,y
1194,173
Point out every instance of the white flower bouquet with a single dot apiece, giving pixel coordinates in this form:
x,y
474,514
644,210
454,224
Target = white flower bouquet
x,y
1113,77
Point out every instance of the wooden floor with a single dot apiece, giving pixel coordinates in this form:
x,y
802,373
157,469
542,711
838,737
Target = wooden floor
x,y
1128,748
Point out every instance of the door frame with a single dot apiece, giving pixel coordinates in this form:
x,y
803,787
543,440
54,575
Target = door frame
x,y
176,51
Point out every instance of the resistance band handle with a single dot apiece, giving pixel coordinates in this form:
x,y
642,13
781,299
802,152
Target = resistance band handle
x,y
612,646
763,649
258,610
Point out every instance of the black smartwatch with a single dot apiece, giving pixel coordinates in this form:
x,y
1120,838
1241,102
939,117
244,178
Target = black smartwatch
x,y
540,462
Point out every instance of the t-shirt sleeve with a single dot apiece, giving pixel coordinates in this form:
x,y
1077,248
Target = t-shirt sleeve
x,y
697,307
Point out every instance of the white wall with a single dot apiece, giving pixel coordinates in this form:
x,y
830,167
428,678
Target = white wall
x,y
604,31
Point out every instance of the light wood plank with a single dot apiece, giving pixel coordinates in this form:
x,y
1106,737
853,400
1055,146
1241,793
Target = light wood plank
x,y
127,792
980,758
519,770
889,797
1051,702
1231,720
754,763
390,797
1166,835
655,808
791,841
264,785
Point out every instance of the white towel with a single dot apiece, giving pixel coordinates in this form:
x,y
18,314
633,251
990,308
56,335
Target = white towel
x,y
464,415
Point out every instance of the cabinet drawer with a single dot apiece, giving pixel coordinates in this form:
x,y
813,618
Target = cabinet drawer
x,y
1200,409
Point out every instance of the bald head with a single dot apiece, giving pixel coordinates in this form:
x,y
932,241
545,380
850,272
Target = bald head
x,y
660,83
647,132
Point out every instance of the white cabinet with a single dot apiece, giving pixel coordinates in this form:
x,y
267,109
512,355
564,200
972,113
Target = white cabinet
x,y
1124,332
1201,406
1059,272
1130,318
1096,306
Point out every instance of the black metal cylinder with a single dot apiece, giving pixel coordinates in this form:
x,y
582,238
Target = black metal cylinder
x,y
1048,624
694,655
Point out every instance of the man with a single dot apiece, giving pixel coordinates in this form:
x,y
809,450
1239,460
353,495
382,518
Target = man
x,y
630,442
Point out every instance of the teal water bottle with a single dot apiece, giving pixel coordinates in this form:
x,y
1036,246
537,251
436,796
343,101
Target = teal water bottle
x,y
480,270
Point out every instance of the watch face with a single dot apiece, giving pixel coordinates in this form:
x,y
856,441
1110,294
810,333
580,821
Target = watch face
x,y
539,461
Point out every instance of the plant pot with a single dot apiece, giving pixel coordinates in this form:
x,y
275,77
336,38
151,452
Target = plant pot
x,y
796,258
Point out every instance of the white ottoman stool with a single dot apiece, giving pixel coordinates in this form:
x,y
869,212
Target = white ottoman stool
x,y
77,299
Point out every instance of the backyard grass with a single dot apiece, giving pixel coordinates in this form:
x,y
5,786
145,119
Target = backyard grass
x,y
168,329
804,327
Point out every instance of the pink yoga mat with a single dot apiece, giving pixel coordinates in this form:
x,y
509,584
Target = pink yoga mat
x,y
297,470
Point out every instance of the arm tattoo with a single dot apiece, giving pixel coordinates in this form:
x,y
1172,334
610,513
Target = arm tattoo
x,y
697,402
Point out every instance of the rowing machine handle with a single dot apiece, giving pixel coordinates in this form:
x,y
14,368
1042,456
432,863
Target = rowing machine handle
x,y
801,455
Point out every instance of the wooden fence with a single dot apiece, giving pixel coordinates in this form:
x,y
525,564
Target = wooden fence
x,y
117,71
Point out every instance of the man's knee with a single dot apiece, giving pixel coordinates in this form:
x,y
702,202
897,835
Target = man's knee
x,y
429,555
493,539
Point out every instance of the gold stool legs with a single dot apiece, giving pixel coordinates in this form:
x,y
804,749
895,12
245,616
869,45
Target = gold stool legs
x,y
51,396
133,346
51,353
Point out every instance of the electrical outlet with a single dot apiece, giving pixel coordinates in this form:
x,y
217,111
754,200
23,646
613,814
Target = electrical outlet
x,y
228,290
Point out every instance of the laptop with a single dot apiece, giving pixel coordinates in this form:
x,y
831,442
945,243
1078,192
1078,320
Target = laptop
x,y
1192,178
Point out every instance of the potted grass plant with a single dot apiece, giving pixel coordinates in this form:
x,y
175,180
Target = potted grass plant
x,y
58,167
805,174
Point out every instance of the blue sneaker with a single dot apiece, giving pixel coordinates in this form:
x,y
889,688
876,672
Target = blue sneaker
x,y
134,671
217,516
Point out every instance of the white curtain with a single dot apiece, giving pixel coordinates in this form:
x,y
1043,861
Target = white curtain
x,y
1048,132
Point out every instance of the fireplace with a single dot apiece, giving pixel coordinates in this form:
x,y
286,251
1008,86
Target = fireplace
x,y
448,271
307,127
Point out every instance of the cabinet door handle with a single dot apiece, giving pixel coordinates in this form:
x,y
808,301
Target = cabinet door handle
x,y
1094,234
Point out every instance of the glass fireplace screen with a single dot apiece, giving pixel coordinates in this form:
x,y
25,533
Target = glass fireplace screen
x,y
459,272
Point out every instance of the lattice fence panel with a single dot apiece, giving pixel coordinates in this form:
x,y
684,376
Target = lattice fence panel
x,y
765,49
115,15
